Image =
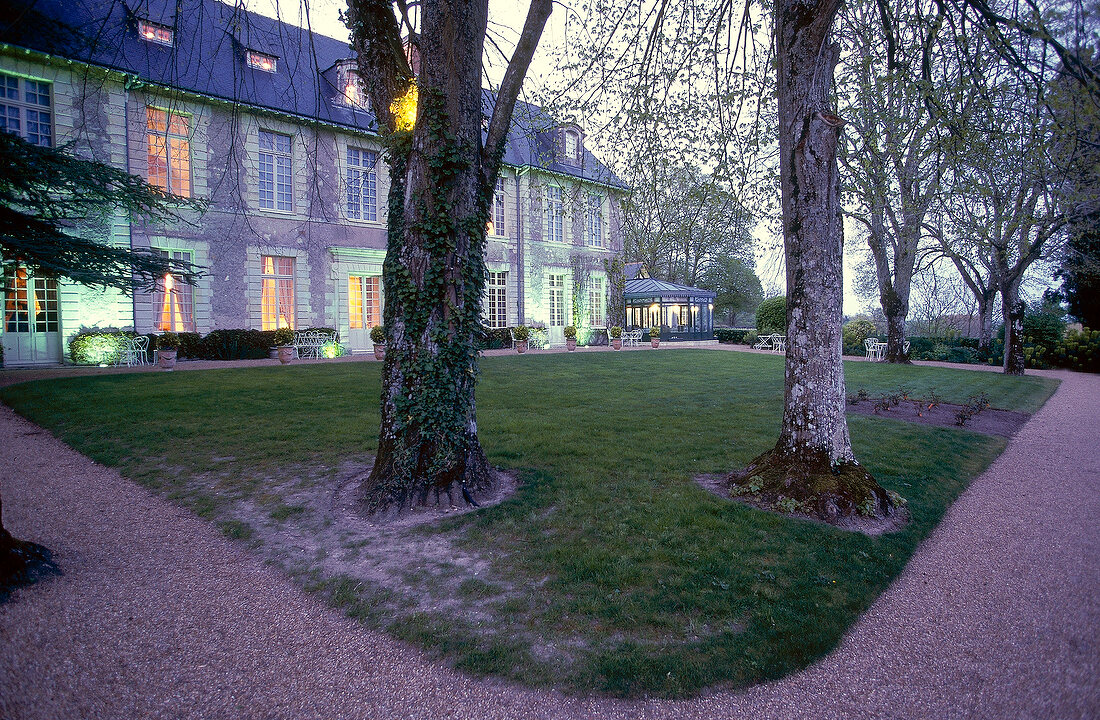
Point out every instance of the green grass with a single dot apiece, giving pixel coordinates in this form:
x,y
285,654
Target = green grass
x,y
610,570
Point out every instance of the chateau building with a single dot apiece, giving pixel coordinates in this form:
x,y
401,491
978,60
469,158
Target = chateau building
x,y
269,125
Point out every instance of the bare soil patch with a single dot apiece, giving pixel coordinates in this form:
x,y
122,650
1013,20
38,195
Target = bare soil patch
x,y
1004,423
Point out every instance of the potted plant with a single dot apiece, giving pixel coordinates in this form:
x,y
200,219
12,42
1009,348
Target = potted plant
x,y
167,346
519,335
284,343
655,335
378,337
615,337
570,337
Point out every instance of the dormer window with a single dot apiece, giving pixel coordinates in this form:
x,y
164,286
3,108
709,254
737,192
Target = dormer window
x,y
349,86
153,32
260,61
571,146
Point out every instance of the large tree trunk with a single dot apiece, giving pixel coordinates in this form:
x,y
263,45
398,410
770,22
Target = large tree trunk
x,y
812,463
985,321
1012,308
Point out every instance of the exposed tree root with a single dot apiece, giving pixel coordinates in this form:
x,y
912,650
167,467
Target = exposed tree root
x,y
845,495
22,563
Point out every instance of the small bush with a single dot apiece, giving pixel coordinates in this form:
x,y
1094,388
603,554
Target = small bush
x,y
961,355
732,336
496,338
190,344
854,334
751,337
378,335
237,344
96,346
771,316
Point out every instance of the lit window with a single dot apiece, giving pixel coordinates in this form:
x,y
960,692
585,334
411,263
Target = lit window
x,y
276,187
496,222
597,301
496,305
169,151
364,301
260,61
30,303
173,300
25,109
557,300
594,236
277,292
160,34
362,184
555,212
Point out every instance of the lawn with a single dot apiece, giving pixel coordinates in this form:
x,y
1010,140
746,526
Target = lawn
x,y
609,570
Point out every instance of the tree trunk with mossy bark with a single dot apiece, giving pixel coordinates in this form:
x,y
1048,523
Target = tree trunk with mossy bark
x,y
442,177
812,464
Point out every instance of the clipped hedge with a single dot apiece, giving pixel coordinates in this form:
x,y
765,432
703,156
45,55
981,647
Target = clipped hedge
x,y
237,344
732,336
771,316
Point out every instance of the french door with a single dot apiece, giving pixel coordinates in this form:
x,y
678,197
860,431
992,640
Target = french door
x,y
31,320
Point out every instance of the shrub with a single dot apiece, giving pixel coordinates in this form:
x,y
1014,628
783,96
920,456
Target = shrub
x,y
570,332
520,332
495,338
96,346
237,344
731,335
378,335
751,337
771,316
284,336
655,331
168,341
961,355
190,344
614,332
855,333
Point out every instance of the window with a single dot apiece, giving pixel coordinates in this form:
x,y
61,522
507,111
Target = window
x,y
173,300
277,293
276,189
30,304
362,184
154,32
594,236
260,61
25,109
364,301
169,151
496,220
496,305
597,301
557,300
554,213
572,145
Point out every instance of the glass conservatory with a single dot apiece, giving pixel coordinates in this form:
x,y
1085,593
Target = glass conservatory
x,y
682,312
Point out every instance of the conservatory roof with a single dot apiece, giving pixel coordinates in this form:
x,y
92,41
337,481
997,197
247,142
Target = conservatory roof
x,y
652,288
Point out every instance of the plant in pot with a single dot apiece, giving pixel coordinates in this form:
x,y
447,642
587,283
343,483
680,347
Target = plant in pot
x,y
615,337
655,335
167,346
570,337
519,335
284,343
378,337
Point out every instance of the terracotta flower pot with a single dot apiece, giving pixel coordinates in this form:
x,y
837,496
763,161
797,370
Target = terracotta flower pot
x,y
166,359
617,343
521,346
286,354
655,342
570,344
379,351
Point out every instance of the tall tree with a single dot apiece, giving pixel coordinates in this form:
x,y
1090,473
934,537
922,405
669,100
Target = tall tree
x,y
442,177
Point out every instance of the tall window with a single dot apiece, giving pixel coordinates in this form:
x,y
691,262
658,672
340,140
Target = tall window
x,y
276,183
597,301
572,145
25,109
594,236
554,213
173,300
364,301
496,223
362,184
30,304
557,300
169,151
496,304
277,292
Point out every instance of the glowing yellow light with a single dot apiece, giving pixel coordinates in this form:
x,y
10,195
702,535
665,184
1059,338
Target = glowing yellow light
x,y
404,109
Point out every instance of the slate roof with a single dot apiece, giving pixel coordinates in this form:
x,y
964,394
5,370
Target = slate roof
x,y
653,288
208,58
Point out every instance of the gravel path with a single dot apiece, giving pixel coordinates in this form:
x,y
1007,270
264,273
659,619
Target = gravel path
x,y
158,616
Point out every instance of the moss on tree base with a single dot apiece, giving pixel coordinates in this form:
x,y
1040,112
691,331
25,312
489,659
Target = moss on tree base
x,y
844,495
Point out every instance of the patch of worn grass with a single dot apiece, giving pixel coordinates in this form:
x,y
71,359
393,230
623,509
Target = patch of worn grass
x,y
610,570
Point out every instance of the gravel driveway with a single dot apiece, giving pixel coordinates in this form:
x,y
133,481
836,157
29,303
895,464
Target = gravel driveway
x,y
158,616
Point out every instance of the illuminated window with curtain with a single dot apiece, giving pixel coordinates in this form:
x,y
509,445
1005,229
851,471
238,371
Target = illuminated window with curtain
x,y
276,186
364,301
362,184
169,151
594,236
554,213
496,222
597,301
25,109
496,300
173,299
277,292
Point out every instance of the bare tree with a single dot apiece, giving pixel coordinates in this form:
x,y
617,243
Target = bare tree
x,y
442,178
